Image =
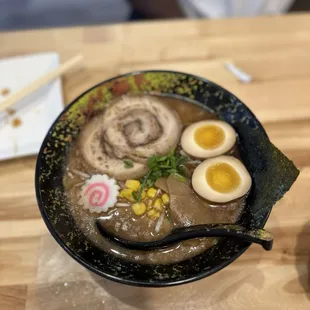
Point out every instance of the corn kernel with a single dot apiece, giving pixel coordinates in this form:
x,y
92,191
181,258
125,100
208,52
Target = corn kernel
x,y
151,192
149,205
139,208
153,214
143,195
158,204
157,214
133,184
127,193
159,208
165,198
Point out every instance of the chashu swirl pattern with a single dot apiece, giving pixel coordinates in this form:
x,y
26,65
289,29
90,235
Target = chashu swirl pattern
x,y
132,127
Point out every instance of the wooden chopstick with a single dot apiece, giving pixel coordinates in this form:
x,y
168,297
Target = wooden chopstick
x,y
41,81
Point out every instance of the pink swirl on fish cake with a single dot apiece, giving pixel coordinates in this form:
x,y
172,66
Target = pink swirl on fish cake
x,y
97,194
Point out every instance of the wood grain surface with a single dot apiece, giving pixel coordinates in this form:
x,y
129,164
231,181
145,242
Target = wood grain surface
x,y
275,51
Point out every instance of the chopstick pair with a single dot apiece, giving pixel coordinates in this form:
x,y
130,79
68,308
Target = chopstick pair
x,y
40,82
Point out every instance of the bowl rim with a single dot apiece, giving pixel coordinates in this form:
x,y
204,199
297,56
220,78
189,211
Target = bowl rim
x,y
83,262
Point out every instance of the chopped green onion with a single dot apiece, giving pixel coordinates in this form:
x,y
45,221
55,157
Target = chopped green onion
x,y
162,166
128,163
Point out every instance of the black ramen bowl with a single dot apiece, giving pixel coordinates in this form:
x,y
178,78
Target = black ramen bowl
x,y
272,174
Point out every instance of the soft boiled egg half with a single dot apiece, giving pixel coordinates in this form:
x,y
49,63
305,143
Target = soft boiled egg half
x,y
221,179
208,138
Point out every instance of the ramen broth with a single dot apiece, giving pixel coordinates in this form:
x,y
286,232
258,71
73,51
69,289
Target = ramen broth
x,y
124,223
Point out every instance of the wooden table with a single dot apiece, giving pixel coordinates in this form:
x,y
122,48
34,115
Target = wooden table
x,y
275,51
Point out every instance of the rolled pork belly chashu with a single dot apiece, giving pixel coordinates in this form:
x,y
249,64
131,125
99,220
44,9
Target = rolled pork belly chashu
x,y
132,127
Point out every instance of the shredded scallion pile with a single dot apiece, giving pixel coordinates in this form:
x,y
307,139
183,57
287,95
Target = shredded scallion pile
x,y
161,166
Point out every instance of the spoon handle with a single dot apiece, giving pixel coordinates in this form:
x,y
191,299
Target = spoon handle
x,y
260,236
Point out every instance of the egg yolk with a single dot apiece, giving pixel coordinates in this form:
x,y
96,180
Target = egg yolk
x,y
209,137
223,178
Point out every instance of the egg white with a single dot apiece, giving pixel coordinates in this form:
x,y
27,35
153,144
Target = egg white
x,y
191,147
203,189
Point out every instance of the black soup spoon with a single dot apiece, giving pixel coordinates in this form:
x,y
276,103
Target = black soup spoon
x,y
260,236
